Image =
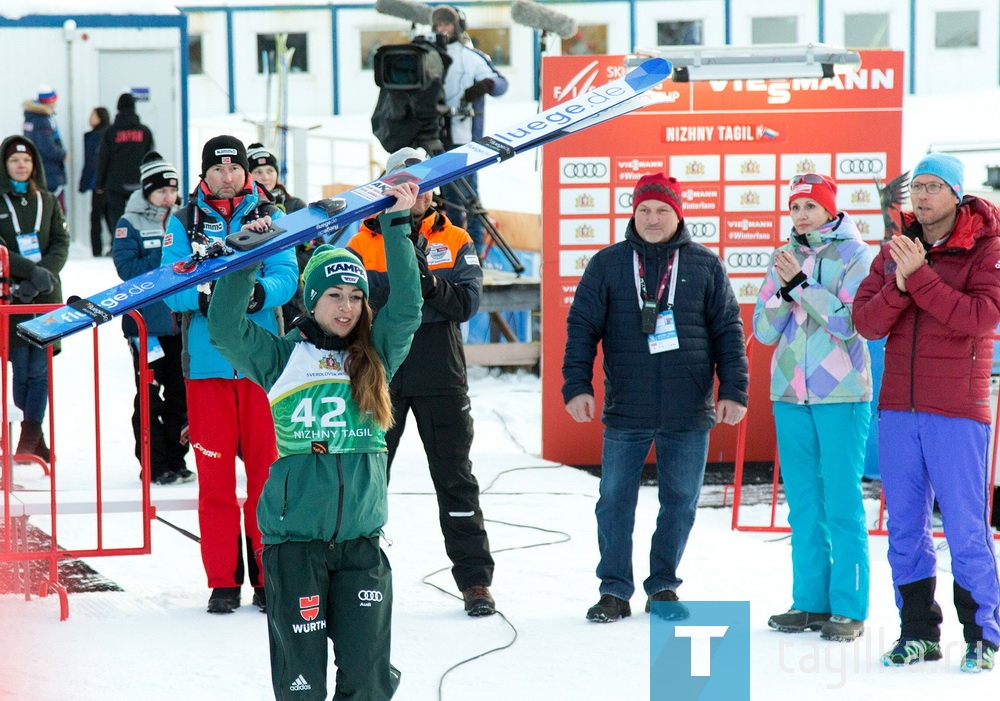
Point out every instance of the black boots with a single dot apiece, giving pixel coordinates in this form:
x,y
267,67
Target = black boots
x,y
32,441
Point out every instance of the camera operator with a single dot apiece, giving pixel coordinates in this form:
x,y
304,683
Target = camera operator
x,y
470,77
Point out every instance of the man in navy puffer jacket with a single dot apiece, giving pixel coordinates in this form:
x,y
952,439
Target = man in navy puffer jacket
x,y
668,322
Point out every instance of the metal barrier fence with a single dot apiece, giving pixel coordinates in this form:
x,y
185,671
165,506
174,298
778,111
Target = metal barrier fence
x,y
19,505
773,525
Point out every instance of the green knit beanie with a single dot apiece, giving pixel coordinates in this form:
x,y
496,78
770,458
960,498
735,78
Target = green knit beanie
x,y
331,266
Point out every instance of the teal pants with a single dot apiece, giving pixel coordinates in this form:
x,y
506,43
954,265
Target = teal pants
x,y
822,452
341,591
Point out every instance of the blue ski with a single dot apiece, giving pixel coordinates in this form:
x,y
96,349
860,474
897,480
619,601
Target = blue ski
x,y
325,217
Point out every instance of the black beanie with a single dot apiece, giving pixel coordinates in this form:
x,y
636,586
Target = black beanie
x,y
221,150
126,102
156,173
261,156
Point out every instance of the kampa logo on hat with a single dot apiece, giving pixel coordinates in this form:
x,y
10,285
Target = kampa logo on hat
x,y
225,152
349,272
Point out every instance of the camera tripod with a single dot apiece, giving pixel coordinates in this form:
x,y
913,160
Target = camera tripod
x,y
470,204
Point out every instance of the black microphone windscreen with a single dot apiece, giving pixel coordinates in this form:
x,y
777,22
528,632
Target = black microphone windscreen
x,y
416,12
536,16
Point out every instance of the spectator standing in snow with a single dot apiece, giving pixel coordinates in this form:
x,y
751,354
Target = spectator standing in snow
x,y
934,292
470,77
123,146
432,382
40,128
326,499
99,121
821,388
667,319
137,248
34,232
228,414
264,169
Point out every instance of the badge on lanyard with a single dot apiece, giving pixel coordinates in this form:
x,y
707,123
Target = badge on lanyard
x,y
660,328
27,242
664,338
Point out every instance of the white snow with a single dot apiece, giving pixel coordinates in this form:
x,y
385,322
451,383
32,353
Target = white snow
x,y
154,641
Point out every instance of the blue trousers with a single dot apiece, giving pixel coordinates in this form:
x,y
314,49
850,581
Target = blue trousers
x,y
925,455
30,381
822,453
680,468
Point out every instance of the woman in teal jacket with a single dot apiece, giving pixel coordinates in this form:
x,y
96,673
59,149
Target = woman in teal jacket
x,y
326,499
821,389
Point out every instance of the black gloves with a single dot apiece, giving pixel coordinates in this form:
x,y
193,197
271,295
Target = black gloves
x,y
477,90
42,279
256,299
799,279
25,292
428,283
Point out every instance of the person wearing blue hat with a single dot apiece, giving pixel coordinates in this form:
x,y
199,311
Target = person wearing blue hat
x,y
934,293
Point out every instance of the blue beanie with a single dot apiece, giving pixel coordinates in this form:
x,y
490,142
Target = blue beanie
x,y
944,166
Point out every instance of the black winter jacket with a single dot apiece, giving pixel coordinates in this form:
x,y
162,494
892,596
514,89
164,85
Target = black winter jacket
x,y
673,389
123,146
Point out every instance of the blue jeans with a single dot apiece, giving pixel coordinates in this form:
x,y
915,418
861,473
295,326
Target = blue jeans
x,y
680,468
30,381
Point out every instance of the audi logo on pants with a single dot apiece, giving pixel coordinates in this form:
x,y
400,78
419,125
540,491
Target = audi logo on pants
x,y
369,595
584,170
748,261
861,166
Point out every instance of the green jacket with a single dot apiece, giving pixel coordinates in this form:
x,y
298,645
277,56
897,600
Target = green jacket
x,y
332,496
53,237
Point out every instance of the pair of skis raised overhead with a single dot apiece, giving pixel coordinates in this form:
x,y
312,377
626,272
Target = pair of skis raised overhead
x,y
321,218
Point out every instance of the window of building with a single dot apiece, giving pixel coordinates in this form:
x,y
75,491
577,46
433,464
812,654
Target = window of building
x,y
194,55
374,39
494,42
589,39
866,31
774,30
955,30
266,47
679,33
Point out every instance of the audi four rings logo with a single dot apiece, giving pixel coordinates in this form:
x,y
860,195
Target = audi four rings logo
x,y
369,595
625,200
702,229
748,260
585,170
861,166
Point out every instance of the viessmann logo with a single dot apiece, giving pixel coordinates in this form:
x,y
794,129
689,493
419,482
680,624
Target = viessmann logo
x,y
779,92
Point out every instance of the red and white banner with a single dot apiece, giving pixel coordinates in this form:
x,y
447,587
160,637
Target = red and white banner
x,y
734,146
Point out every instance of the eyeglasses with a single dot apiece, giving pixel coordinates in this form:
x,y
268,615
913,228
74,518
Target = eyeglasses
x,y
808,178
929,188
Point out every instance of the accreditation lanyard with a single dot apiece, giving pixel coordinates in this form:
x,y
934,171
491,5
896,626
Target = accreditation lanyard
x,y
660,329
27,244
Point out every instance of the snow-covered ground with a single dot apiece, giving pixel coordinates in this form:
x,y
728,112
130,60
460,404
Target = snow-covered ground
x,y
154,640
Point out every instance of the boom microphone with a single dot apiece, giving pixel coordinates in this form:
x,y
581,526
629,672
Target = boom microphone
x,y
536,16
416,12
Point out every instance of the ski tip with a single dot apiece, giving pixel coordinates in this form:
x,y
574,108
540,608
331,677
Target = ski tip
x,y
649,73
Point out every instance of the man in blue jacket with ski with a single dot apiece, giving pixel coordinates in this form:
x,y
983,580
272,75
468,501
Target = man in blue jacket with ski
x,y
228,414
663,310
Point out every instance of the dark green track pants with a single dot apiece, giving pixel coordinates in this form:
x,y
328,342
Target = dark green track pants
x,y
341,591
